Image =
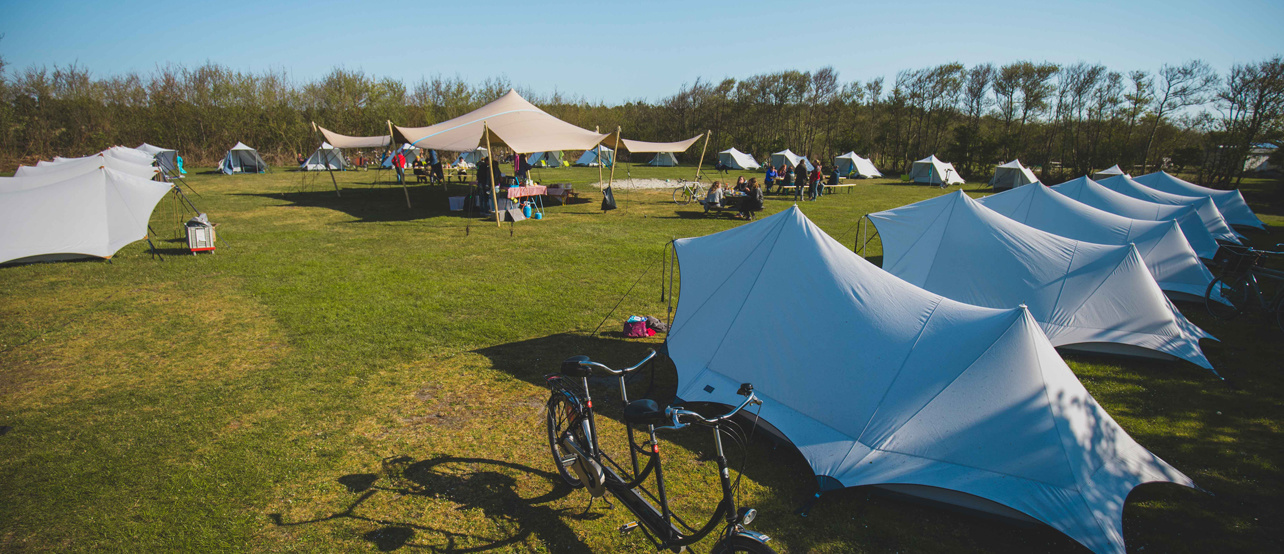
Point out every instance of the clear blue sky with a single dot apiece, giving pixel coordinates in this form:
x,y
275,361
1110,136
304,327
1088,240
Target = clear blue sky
x,y
613,51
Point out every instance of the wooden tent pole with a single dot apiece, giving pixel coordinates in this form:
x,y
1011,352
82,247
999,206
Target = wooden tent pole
x,y
403,170
490,168
614,161
326,160
703,149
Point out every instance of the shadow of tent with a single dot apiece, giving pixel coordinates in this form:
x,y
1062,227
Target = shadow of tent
x,y
376,203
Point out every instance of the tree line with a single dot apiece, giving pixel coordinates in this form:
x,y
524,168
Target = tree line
x,y
1062,120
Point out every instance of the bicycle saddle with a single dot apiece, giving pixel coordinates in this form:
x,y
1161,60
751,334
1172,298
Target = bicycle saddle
x,y
644,411
577,366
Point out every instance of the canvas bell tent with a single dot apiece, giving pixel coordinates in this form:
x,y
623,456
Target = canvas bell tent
x,y
1167,253
735,159
1087,191
912,392
409,151
1112,171
242,159
1012,175
90,215
600,155
933,171
1086,296
852,165
791,160
165,159
1207,209
1230,202
545,159
663,159
54,172
325,157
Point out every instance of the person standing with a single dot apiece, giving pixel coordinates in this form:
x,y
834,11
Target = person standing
x,y
399,162
485,187
800,181
817,180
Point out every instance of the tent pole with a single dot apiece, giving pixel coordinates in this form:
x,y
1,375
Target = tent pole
x,y
403,170
703,149
598,130
326,160
614,161
490,168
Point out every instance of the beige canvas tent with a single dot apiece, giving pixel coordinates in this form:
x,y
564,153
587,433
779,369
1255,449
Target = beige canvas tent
x,y
344,141
511,121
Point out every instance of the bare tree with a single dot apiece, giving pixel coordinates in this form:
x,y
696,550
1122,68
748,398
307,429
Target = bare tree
x,y
1180,87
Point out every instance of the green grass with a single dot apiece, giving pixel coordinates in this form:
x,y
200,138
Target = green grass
x,y
348,374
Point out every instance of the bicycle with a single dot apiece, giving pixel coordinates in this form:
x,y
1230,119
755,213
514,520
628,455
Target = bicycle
x,y
572,439
687,192
1239,286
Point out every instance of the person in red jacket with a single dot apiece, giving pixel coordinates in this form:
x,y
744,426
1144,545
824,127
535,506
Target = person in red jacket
x,y
399,162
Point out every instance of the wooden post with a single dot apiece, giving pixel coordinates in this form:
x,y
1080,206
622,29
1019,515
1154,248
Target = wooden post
x,y
704,148
614,161
490,168
599,159
391,141
326,162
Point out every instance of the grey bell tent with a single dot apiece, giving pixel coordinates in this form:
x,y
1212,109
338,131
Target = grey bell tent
x,y
242,159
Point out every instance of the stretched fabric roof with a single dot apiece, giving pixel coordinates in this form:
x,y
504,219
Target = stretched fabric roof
x,y
852,164
1230,202
736,159
910,388
639,147
933,170
93,214
1167,253
1090,192
1109,172
152,150
1012,175
1081,293
512,120
345,141
52,173
165,158
118,152
1208,211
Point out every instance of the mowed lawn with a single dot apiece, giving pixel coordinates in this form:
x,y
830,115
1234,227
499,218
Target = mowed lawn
x,y
349,374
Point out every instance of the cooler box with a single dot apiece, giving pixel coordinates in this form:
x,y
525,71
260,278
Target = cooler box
x,y
200,234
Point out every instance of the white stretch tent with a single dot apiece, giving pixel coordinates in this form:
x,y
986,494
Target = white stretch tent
x,y
736,159
852,165
242,159
1208,212
1167,253
599,155
121,153
789,159
663,159
54,172
512,121
345,141
166,159
1107,173
90,215
933,171
326,157
912,391
1012,175
545,159
1086,296
1230,202
1090,192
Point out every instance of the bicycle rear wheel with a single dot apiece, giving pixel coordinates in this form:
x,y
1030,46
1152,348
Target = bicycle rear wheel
x,y
741,543
1234,291
1279,312
562,418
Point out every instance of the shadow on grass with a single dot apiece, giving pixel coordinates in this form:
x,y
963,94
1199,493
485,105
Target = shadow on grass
x,y
467,484
377,202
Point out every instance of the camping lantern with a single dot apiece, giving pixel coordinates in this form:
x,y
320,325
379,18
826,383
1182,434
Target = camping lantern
x,y
200,234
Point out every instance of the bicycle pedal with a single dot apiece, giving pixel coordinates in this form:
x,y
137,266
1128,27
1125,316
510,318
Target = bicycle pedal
x,y
628,527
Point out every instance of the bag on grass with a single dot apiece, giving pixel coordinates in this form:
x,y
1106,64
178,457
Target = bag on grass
x,y
635,329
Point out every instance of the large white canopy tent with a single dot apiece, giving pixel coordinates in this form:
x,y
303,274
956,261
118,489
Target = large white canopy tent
x,y
852,165
93,214
325,157
1012,175
344,141
1167,253
54,172
1090,192
933,171
512,122
789,159
1086,296
735,159
598,155
121,153
166,159
1208,212
912,391
1230,202
242,159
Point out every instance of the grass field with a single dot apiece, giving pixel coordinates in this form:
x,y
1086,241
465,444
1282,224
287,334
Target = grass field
x,y
348,374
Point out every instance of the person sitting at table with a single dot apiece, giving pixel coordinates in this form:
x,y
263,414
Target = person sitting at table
x,y
714,198
769,178
741,184
752,202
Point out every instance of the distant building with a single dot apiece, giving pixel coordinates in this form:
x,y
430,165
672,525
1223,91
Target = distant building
x,y
1258,157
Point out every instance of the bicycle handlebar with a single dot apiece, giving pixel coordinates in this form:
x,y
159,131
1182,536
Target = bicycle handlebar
x,y
676,414
650,354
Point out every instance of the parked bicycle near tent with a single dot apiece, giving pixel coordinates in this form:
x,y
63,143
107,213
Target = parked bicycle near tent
x,y
1240,283
573,441
688,192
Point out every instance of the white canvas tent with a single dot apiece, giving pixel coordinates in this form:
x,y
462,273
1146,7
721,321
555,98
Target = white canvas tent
x,y
409,151
1012,175
1107,173
512,122
912,391
852,165
663,159
1208,212
121,153
1167,253
90,215
1230,202
545,159
242,159
790,160
1086,296
735,159
933,171
166,159
326,157
1087,191
54,172
599,155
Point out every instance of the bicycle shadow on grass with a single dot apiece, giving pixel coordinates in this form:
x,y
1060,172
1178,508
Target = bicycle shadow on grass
x,y
490,486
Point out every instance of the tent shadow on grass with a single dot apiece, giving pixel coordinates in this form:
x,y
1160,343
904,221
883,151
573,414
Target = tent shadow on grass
x,y
375,203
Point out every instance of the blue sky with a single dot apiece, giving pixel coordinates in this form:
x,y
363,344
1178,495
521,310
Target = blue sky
x,y
629,50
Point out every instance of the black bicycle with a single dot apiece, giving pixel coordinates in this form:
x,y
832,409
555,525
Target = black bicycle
x,y
572,438
1237,289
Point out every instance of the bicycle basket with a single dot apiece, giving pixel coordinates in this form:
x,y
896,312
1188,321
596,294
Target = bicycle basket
x,y
1236,260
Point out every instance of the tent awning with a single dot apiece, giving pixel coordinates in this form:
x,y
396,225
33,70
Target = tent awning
x,y
639,147
511,121
345,141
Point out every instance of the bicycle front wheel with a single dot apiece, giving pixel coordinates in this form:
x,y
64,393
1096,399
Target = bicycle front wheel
x,y
1234,291
563,418
1279,312
741,543
682,195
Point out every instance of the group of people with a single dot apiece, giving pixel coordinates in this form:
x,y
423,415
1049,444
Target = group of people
x,y
749,193
814,181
